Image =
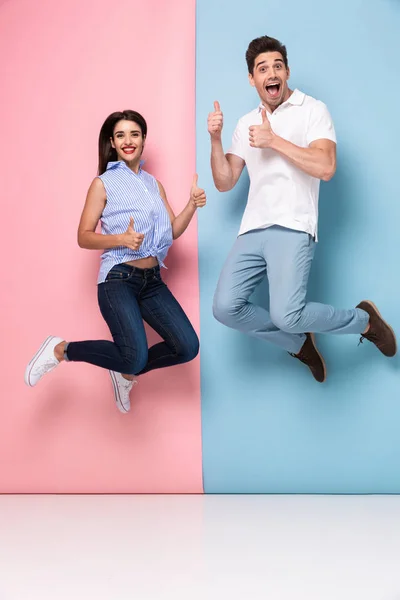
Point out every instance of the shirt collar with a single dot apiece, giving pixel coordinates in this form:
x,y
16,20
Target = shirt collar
x,y
118,164
296,99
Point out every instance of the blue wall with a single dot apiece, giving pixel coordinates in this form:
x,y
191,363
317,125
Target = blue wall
x,y
267,425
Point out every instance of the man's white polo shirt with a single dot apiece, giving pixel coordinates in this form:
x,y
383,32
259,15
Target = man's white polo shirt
x,y
280,193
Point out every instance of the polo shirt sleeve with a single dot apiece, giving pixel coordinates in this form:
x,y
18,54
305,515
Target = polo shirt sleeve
x,y
237,146
320,126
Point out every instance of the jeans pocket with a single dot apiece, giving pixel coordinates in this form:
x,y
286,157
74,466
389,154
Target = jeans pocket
x,y
118,273
157,274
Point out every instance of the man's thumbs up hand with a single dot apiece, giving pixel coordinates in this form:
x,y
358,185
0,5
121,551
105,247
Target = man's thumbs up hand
x,y
261,136
215,121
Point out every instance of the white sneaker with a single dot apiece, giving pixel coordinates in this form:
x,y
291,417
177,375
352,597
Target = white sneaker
x,y
122,388
43,362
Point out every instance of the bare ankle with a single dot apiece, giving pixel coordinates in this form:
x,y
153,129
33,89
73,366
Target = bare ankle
x,y
59,351
367,329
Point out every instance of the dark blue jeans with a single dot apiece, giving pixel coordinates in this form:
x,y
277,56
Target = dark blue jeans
x,y
128,297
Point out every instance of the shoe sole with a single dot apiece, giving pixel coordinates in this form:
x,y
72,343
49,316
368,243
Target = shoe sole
x,y
118,402
375,308
320,356
33,361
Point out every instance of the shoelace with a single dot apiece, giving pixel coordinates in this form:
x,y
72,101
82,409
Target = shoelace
x,y
49,364
300,357
128,384
371,337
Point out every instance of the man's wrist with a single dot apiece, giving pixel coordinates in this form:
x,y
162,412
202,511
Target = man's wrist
x,y
216,141
276,142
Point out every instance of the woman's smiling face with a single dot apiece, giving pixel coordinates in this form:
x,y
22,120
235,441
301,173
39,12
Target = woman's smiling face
x,y
128,141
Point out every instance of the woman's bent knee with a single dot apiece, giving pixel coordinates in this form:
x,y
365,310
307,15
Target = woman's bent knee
x,y
189,348
134,362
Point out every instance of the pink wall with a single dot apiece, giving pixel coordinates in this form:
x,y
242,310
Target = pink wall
x,y
66,66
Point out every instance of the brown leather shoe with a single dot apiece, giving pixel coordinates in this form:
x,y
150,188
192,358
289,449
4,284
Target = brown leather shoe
x,y
310,356
379,332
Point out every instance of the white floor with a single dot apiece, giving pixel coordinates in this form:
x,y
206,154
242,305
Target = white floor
x,y
189,547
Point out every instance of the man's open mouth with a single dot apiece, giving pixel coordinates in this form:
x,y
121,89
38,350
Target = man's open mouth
x,y
273,89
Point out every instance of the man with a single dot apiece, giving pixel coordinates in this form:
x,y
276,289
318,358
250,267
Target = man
x,y
288,144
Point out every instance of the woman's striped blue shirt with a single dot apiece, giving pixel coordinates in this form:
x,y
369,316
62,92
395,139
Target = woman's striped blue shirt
x,y
133,195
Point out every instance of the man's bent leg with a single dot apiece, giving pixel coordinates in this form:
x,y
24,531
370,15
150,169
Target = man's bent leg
x,y
289,256
243,271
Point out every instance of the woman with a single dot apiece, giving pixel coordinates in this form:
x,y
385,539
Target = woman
x,y
138,227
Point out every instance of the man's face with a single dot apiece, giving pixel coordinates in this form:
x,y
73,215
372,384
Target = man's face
x,y
270,77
